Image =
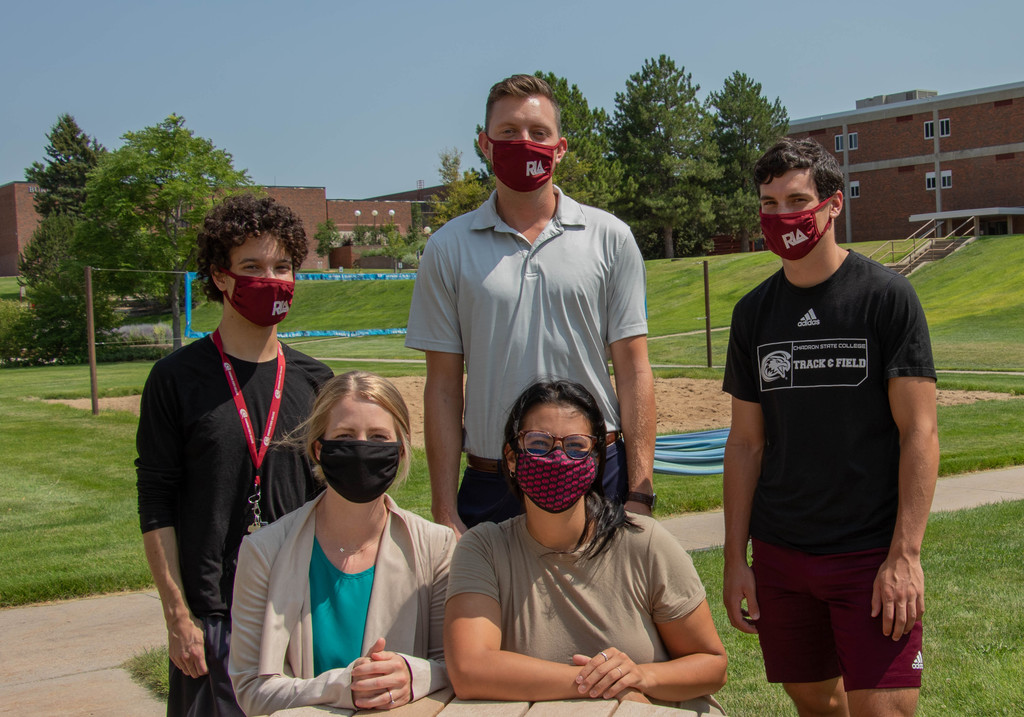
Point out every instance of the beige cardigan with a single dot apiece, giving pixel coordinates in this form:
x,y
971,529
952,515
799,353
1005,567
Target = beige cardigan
x,y
271,657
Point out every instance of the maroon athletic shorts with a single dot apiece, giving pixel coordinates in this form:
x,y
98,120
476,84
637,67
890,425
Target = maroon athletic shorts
x,y
816,621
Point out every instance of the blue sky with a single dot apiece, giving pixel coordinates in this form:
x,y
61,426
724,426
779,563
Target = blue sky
x,y
360,97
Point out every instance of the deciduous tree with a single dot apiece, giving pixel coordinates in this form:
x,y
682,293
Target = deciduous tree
x,y
464,191
327,237
145,204
746,125
662,135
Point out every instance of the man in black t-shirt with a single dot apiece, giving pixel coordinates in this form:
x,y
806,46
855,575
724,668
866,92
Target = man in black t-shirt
x,y
208,470
832,457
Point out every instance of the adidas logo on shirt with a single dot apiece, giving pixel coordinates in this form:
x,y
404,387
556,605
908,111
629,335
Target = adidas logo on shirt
x,y
918,662
809,319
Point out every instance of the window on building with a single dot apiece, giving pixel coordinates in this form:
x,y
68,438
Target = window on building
x,y
854,189
944,127
839,142
852,140
929,129
946,180
929,180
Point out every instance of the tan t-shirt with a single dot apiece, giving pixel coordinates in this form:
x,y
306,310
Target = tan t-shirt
x,y
554,604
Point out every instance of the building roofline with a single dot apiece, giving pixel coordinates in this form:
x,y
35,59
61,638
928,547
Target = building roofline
x,y
965,213
15,181
896,109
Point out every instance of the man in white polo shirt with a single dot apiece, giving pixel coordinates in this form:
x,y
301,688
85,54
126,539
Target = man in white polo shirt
x,y
531,285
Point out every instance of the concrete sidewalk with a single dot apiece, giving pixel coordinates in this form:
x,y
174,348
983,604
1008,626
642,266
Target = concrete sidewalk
x,y
65,657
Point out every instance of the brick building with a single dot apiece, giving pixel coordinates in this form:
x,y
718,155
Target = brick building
x,y
919,156
18,219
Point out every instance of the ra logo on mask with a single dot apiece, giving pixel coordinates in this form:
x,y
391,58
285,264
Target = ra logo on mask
x,y
793,238
280,307
534,168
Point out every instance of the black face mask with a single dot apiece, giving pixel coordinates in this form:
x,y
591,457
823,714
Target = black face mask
x,y
359,471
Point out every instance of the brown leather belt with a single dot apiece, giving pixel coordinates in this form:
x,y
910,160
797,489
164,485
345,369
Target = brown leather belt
x,y
489,465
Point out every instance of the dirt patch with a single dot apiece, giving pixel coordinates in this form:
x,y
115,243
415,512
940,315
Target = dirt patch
x,y
684,404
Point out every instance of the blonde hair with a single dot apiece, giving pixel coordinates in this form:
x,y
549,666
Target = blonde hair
x,y
363,385
521,86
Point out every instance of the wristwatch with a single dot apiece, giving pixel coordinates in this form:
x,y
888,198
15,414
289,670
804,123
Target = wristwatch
x,y
649,500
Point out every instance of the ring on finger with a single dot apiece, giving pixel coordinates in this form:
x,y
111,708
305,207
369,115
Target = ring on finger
x,y
604,656
621,673
391,697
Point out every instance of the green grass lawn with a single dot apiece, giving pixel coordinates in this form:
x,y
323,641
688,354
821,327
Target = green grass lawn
x,y
9,288
973,301
67,494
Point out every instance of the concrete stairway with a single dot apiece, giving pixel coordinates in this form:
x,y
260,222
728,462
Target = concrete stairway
x,y
937,249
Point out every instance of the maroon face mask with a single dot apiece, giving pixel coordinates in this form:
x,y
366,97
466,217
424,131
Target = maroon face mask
x,y
261,300
522,165
793,235
554,481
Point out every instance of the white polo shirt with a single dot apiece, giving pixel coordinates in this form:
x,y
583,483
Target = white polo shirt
x,y
520,313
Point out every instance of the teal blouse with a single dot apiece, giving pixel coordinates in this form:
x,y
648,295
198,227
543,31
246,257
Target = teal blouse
x,y
339,603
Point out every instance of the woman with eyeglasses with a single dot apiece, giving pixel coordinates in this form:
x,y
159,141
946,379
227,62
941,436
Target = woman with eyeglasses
x,y
575,598
341,602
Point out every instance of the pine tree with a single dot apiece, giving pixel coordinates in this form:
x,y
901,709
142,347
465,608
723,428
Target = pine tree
x,y
746,125
72,154
587,173
662,136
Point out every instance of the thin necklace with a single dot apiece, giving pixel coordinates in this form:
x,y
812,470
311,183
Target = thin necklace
x,y
372,541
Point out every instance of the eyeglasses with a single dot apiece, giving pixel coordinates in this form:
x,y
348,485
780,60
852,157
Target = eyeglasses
x,y
539,443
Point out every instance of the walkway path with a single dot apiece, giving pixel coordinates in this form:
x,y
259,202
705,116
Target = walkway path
x,y
65,657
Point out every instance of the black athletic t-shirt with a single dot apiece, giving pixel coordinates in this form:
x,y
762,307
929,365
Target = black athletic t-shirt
x,y
818,360
194,469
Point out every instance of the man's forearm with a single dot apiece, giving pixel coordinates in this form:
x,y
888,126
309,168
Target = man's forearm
x,y
161,547
739,481
442,431
639,431
912,400
918,472
634,384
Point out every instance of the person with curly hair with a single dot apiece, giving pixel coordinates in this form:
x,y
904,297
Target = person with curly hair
x,y
209,472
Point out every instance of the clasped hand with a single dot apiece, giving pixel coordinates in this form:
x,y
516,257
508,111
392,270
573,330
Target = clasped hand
x,y
381,680
610,673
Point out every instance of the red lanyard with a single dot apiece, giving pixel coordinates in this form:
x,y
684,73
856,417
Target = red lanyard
x,y
257,455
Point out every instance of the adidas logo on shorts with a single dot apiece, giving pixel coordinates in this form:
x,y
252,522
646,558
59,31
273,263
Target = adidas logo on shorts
x,y
918,662
809,319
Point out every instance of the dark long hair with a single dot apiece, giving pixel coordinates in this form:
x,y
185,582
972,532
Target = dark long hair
x,y
603,516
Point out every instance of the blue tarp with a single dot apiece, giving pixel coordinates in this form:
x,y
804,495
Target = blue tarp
x,y
700,453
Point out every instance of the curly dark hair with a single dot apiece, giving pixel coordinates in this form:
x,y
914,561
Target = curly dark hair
x,y
238,217
604,517
787,154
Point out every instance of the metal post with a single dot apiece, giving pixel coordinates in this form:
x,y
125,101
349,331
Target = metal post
x,y
707,311
90,328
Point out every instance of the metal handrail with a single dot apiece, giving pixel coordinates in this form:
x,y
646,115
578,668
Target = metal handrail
x,y
917,251
890,247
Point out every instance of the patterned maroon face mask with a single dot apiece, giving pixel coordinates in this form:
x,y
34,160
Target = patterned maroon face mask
x,y
554,481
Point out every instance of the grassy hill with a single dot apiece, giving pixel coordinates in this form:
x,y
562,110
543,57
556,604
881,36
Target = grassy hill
x,y
974,301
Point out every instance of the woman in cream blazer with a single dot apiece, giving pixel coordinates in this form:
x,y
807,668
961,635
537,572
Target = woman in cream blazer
x,y
272,658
